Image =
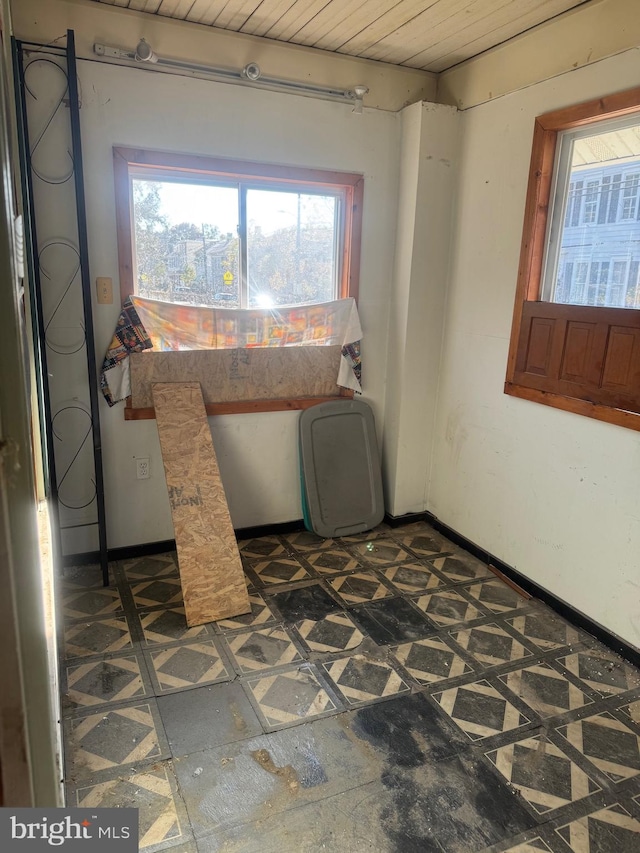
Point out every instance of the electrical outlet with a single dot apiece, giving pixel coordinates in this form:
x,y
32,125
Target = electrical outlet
x,y
142,467
104,291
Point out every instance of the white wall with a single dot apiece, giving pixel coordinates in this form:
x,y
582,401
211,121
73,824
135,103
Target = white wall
x,y
427,179
551,493
257,453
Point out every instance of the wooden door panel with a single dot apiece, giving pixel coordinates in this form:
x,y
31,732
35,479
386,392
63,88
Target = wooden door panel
x,y
590,354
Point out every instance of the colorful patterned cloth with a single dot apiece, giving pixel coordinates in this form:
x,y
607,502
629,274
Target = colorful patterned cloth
x,y
146,323
129,336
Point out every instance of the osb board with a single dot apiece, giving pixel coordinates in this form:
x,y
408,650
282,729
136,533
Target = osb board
x,y
227,375
213,584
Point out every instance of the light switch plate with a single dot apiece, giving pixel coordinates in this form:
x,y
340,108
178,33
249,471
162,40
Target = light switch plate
x,y
104,289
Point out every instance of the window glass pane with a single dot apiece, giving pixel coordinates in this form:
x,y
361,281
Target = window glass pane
x,y
186,242
291,247
598,242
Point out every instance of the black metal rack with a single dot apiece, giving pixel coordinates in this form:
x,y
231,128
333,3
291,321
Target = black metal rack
x,y
25,54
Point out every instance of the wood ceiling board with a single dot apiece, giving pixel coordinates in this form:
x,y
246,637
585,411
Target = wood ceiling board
x,y
235,13
429,35
211,575
463,43
265,16
351,25
328,19
387,22
426,29
150,6
175,8
295,18
493,21
205,11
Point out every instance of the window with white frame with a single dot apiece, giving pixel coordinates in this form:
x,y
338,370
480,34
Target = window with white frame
x,y
595,216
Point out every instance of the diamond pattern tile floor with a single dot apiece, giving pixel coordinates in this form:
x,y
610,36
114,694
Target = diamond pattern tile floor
x,y
386,686
546,776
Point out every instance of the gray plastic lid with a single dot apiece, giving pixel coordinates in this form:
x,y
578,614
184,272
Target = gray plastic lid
x,y
340,468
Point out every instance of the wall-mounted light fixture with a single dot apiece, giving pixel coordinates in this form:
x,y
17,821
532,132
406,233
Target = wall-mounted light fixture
x,y
252,71
144,53
250,75
358,92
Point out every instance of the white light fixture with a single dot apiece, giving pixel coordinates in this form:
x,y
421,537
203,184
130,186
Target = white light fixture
x,y
250,75
252,71
358,94
144,53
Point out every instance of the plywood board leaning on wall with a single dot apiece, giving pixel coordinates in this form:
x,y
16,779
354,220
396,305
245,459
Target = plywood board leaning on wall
x,y
213,584
239,374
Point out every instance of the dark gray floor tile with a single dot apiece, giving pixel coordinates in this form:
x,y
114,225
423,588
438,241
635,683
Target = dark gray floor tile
x,y
359,587
150,567
104,636
169,625
602,671
307,602
109,741
290,696
381,551
608,743
457,801
188,665
392,621
545,690
407,731
545,629
432,660
458,569
480,709
490,644
285,569
334,633
207,717
332,561
261,649
99,682
360,678
545,775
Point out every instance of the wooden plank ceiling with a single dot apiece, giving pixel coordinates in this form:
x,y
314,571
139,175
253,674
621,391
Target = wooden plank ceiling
x,y
432,35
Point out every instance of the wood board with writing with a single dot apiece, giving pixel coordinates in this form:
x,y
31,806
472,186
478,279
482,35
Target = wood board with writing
x,y
229,375
213,583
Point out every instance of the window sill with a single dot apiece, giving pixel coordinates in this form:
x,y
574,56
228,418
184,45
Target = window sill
x,y
618,417
244,407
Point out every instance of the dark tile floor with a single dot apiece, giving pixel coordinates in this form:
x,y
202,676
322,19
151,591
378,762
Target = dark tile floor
x,y
386,693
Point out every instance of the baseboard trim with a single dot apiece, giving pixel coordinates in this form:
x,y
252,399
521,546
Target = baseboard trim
x,y
147,549
567,611
271,529
408,518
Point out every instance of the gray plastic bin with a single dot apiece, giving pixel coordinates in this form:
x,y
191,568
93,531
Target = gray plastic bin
x,y
340,469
